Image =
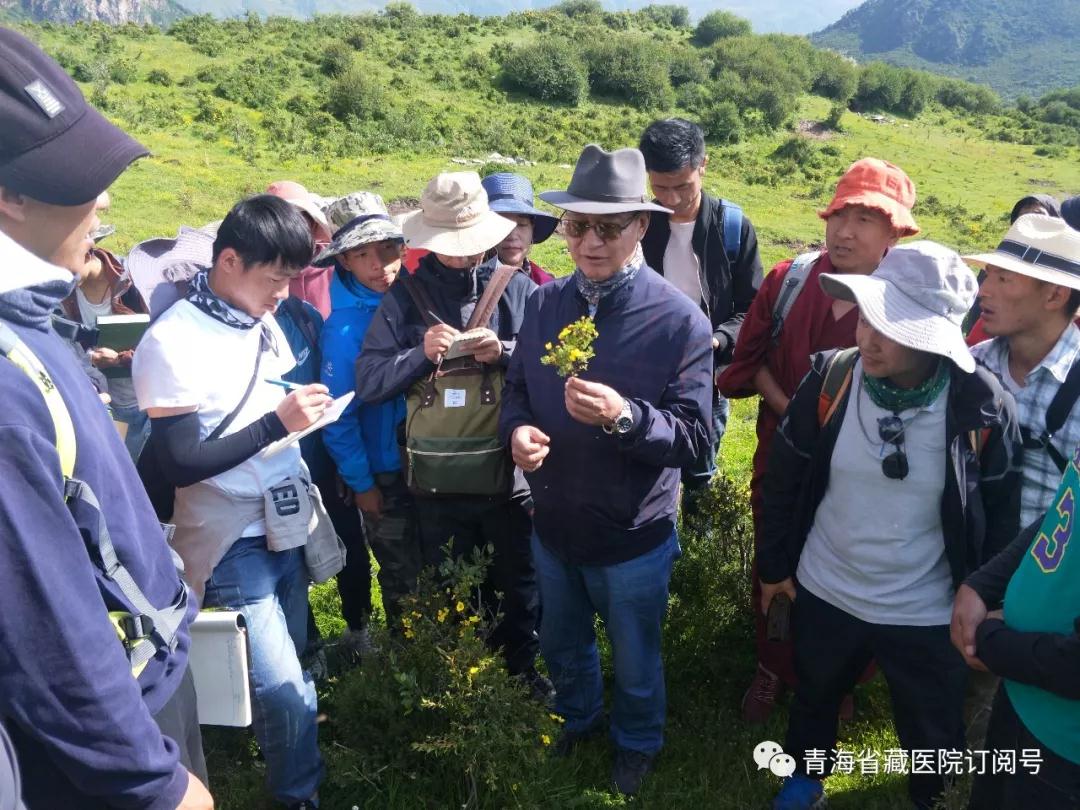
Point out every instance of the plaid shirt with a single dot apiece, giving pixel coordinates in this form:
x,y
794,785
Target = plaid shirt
x,y
1040,476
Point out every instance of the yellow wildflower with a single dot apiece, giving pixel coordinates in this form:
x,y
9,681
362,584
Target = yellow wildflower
x,y
545,739
409,633
442,614
473,670
474,620
460,607
557,718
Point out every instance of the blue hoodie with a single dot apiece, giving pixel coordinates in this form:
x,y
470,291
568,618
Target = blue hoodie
x,y
364,440
82,726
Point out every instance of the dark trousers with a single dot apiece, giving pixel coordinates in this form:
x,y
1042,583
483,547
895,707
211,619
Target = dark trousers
x,y
475,522
696,476
925,674
392,539
179,721
1056,786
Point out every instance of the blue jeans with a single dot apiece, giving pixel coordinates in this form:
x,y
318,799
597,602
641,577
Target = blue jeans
x,y
138,431
631,597
270,590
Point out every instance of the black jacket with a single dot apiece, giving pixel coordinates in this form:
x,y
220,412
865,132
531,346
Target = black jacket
x,y
979,505
392,357
727,289
1050,661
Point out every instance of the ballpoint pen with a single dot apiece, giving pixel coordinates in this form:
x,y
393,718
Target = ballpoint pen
x,y
288,386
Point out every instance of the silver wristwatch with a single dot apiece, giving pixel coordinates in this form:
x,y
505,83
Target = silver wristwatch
x,y
623,423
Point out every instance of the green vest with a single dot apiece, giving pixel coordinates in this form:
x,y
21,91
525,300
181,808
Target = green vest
x,y
1044,597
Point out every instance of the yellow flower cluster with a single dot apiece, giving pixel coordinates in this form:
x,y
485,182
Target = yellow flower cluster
x,y
575,349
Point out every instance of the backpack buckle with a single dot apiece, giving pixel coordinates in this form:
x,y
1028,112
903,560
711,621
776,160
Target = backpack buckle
x,y
136,626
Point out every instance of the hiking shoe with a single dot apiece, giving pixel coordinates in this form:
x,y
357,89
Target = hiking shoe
x,y
630,769
358,642
541,689
800,793
315,663
760,697
568,740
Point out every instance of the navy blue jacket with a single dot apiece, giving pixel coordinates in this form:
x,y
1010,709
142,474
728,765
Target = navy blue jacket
x,y
603,499
81,724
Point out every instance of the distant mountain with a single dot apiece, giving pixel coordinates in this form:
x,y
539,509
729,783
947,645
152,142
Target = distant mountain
x,y
766,15
114,12
1017,47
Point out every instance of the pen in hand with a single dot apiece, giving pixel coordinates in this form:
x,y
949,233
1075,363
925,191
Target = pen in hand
x,y
288,386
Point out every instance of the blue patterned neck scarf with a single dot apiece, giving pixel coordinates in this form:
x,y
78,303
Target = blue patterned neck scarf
x,y
593,291
206,300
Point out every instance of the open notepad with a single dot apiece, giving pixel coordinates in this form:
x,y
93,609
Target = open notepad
x,y
332,414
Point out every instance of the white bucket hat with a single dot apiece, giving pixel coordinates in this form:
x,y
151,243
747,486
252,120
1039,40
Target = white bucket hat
x,y
1039,246
454,217
918,297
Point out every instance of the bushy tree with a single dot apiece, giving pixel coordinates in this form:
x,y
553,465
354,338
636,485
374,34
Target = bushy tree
x,y
337,57
719,25
549,69
685,66
961,95
357,94
837,77
881,87
674,16
627,67
579,8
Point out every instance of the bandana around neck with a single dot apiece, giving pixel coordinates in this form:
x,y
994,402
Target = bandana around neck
x,y
891,398
593,291
206,300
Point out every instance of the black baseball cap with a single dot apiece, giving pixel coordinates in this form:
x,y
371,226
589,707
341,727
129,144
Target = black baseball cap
x,y
54,147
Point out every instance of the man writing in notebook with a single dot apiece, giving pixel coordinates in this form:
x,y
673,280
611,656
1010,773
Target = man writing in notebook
x,y
201,374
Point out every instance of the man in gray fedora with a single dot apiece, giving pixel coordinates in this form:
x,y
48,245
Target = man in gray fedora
x,y
602,452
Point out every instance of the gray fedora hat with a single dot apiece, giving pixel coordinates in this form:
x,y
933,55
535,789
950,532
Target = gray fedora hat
x,y
605,183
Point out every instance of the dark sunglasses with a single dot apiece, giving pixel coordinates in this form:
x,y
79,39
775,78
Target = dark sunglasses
x,y
891,431
607,231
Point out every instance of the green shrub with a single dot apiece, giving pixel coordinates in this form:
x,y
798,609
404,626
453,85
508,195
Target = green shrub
x,y
961,95
337,57
626,67
685,66
123,71
437,711
881,87
918,91
837,76
401,14
672,16
719,25
549,69
722,123
159,77
253,83
357,94
579,8
836,117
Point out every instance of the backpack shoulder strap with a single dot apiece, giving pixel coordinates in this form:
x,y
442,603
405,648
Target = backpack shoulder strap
x,y
836,384
490,298
731,218
1057,413
149,629
304,320
17,352
420,297
794,281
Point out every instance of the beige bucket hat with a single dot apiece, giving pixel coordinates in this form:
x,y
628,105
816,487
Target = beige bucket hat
x,y
454,217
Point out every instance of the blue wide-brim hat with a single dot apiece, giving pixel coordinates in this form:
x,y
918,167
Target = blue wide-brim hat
x,y
510,193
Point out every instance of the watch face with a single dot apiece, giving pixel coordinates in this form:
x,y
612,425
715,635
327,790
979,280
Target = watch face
x,y
623,424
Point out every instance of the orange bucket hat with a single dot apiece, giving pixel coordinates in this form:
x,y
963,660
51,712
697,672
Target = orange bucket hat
x,y
880,185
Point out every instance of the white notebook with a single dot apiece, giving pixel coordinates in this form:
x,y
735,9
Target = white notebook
x,y
331,415
219,667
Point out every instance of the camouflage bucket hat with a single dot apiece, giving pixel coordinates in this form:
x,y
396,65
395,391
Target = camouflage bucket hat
x,y
357,219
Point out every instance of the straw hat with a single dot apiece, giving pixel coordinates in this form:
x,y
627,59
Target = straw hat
x,y
1039,246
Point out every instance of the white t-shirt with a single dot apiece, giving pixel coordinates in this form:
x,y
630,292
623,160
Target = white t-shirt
x,y
681,264
121,389
188,358
876,549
